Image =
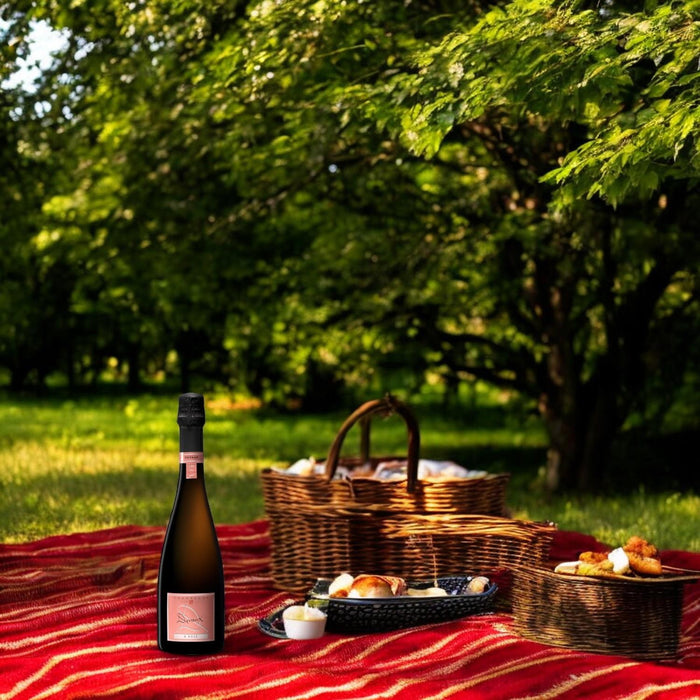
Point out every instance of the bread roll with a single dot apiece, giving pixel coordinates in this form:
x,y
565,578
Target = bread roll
x,y
340,586
478,584
426,592
370,586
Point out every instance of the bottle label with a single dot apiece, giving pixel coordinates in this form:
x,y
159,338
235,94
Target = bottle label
x,y
190,617
191,460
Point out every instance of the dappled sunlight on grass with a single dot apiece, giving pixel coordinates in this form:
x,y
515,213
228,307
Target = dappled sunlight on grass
x,y
49,488
670,520
68,466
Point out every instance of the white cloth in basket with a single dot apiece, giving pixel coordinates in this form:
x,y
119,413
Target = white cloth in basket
x,y
427,468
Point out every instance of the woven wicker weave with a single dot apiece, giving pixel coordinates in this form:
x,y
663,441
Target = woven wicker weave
x,y
320,526
635,617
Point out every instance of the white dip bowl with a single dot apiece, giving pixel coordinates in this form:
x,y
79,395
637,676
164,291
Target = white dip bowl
x,y
304,622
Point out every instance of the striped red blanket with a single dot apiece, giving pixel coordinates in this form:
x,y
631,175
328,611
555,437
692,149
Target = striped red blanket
x,y
78,620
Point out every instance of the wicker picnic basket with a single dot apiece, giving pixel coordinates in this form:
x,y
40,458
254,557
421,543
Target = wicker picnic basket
x,y
635,617
321,526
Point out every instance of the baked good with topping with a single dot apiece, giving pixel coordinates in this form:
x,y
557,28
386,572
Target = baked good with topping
x,y
636,558
643,556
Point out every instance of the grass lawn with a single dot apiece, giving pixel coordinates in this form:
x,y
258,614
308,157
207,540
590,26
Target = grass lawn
x,y
90,463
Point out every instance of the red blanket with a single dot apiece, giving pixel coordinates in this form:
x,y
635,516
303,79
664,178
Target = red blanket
x,y
78,620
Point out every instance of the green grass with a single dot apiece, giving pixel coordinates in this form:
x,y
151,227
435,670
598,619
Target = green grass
x,y
91,463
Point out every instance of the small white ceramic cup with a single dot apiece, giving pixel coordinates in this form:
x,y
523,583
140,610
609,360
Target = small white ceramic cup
x,y
304,622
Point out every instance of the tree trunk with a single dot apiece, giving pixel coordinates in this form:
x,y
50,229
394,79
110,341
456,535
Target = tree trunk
x,y
581,438
18,376
134,366
562,455
579,463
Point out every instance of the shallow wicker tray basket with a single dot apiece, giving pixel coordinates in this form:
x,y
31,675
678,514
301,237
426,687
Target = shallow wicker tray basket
x,y
320,526
635,617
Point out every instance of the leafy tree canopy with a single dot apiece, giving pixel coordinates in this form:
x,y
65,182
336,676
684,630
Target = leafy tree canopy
x,y
287,191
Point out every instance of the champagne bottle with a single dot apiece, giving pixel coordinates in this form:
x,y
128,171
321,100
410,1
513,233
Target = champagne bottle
x,y
191,577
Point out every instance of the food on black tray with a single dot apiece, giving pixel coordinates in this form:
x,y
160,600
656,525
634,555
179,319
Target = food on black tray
x,y
374,586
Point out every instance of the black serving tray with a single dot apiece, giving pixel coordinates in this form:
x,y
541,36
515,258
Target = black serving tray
x,y
273,625
364,615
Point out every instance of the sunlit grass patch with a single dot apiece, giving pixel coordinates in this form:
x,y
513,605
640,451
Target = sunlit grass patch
x,y
49,488
69,466
670,520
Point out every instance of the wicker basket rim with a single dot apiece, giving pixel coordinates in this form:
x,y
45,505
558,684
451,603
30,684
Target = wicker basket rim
x,y
321,478
665,577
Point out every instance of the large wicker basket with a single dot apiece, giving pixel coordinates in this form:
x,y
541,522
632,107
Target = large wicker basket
x,y
635,617
321,526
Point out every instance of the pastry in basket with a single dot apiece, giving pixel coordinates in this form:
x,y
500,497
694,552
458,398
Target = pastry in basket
x,y
593,557
432,592
340,586
478,584
643,557
586,568
366,586
636,557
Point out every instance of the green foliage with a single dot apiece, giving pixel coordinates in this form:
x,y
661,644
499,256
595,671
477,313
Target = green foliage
x,y
629,79
286,197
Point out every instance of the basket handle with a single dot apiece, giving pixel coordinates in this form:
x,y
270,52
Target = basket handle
x,y
386,406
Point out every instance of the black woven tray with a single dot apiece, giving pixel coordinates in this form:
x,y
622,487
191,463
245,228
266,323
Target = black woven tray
x,y
364,615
